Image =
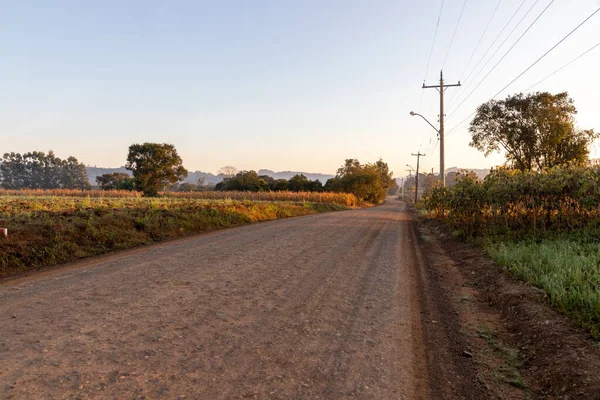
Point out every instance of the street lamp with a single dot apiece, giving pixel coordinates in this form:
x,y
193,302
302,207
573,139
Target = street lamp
x,y
412,113
442,172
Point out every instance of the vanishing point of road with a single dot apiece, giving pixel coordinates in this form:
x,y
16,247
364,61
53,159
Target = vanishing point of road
x,y
329,306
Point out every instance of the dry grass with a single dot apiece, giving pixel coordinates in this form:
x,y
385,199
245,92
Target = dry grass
x,y
342,199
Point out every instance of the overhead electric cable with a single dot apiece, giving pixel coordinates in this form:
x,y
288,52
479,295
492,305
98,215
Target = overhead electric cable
x,y
503,56
453,97
480,39
538,60
454,33
433,43
492,45
437,25
548,52
563,67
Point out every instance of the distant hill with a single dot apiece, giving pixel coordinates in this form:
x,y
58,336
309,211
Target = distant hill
x,y
288,174
209,179
481,173
93,172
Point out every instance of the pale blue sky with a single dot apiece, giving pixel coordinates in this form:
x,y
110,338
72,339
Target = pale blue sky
x,y
284,85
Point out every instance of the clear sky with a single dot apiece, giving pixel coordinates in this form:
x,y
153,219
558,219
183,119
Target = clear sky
x,y
279,84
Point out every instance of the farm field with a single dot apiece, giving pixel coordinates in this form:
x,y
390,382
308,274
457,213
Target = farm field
x,y
541,227
342,199
48,230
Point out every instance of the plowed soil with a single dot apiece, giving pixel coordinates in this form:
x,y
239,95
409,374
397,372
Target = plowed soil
x,y
330,306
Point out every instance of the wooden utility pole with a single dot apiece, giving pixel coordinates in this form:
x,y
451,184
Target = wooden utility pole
x,y
418,155
441,88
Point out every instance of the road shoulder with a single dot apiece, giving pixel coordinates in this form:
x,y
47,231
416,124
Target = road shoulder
x,y
521,346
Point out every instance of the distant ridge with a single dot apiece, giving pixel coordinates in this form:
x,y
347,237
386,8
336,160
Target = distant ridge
x,y
481,173
288,174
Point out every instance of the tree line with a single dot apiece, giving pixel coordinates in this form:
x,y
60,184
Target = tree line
x,y
157,166
39,170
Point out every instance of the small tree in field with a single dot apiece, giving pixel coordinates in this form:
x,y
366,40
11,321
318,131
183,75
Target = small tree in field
x,y
155,166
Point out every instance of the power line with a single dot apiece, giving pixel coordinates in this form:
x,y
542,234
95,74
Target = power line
x,y
563,67
454,34
460,123
480,39
538,60
453,97
492,45
549,51
431,51
433,43
503,56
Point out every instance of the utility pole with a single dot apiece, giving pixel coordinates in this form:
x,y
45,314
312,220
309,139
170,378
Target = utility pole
x,y
418,155
409,177
441,88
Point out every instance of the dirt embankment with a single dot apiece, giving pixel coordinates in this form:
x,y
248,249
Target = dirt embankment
x,y
524,347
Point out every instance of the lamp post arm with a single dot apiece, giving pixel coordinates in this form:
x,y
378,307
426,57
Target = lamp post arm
x,y
430,124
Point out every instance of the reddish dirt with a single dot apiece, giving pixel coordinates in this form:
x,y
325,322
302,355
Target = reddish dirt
x,y
331,306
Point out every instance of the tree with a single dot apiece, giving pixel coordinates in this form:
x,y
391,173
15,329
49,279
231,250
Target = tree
x,y
299,183
536,130
227,171
73,175
155,166
248,181
368,182
280,185
116,181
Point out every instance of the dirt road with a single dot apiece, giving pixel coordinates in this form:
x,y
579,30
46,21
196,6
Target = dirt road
x,y
329,306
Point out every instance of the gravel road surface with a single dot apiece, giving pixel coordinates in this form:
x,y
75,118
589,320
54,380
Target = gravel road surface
x,y
327,306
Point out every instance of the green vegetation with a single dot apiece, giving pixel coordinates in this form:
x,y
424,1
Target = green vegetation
x,y
368,182
535,130
155,166
38,170
520,204
250,181
48,230
115,181
540,218
543,227
566,268
508,370
158,169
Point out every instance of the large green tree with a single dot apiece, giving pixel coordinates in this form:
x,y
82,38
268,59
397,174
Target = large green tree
x,y
536,130
155,166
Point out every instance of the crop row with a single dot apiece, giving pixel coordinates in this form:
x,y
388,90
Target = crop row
x,y
343,199
559,199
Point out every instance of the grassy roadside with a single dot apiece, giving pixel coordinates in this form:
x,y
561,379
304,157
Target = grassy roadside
x,y
566,268
47,231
